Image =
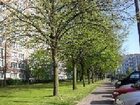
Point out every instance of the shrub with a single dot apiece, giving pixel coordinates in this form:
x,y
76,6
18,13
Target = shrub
x,y
14,81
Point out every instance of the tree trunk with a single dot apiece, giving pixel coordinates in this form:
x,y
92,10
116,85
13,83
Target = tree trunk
x,y
81,77
88,75
5,67
83,74
74,75
55,73
84,80
54,41
137,16
92,76
77,75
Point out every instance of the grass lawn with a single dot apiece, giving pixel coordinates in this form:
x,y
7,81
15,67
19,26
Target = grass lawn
x,y
41,94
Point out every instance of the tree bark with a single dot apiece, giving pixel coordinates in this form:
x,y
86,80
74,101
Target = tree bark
x,y
74,75
88,75
137,16
55,73
77,75
83,74
92,76
5,67
80,76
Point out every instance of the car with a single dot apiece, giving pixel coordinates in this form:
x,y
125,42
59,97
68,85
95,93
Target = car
x,y
131,98
125,89
132,78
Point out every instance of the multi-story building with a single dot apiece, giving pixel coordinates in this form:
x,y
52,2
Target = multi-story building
x,y
13,56
130,62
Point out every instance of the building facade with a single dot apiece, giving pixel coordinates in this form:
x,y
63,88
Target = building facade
x,y
13,58
130,62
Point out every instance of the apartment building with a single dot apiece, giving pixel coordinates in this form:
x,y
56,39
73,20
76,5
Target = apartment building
x,y
15,56
130,62
12,55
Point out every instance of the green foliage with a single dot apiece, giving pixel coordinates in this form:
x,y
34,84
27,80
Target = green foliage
x,y
98,47
79,31
40,65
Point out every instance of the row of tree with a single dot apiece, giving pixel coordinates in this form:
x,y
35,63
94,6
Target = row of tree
x,y
84,34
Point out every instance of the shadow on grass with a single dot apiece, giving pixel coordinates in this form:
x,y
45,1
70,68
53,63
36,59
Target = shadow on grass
x,y
37,85
102,102
21,101
54,103
49,96
5,96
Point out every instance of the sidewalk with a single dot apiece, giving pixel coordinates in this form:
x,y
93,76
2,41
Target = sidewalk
x,y
101,96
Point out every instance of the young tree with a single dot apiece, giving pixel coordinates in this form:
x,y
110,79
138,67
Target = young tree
x,y
40,65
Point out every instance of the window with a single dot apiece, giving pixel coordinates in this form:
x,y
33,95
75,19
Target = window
x,y
14,56
13,75
1,40
13,65
1,52
21,56
1,75
21,65
135,76
1,63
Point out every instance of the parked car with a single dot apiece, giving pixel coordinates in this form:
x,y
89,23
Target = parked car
x,y
125,89
131,98
132,78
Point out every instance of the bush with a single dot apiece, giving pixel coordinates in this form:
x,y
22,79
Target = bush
x,y
14,81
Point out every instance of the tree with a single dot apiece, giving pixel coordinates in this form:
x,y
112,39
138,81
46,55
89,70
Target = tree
x,y
40,65
47,21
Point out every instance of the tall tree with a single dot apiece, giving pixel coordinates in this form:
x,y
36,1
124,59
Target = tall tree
x,y
47,21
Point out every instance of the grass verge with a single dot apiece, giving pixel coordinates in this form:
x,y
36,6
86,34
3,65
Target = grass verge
x,y
41,94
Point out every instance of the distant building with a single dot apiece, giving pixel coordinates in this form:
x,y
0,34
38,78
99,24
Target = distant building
x,y
16,56
130,62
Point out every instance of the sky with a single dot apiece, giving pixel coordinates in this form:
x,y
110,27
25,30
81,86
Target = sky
x,y
131,45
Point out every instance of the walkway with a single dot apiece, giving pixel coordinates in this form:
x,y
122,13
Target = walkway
x,y
102,96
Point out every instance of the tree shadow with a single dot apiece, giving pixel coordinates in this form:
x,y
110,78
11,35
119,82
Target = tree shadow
x,y
102,92
54,103
111,88
49,96
108,96
1,96
102,102
21,101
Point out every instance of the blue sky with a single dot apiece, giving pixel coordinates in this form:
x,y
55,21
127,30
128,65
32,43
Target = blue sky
x,y
131,45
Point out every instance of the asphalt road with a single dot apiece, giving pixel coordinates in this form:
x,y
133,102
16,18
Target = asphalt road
x,y
101,96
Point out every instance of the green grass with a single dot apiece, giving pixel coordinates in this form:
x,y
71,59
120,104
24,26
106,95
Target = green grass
x,y
41,94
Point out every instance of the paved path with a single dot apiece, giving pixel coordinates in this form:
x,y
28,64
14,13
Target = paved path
x,y
101,96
